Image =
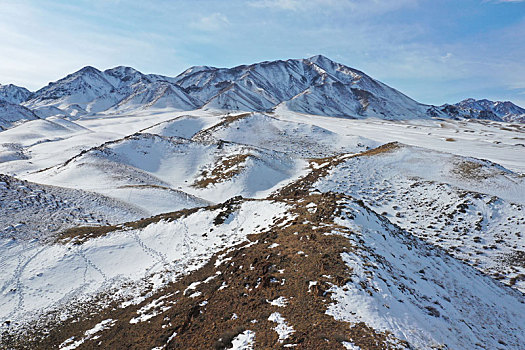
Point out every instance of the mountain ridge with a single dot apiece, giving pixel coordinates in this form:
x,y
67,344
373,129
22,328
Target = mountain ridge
x,y
487,109
314,85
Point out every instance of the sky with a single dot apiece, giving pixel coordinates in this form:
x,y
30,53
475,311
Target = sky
x,y
435,51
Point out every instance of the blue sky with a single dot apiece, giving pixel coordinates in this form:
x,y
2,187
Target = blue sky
x,y
435,51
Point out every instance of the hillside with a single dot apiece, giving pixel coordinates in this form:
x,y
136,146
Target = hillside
x,y
12,114
285,204
301,268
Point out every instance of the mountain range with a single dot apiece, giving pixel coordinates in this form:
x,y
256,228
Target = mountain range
x,y
316,85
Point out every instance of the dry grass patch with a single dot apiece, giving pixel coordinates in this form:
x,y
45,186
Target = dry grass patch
x,y
224,170
471,170
207,134
80,234
388,147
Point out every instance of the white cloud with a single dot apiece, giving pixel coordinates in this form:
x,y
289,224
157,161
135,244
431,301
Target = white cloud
x,y
446,57
213,22
278,4
353,6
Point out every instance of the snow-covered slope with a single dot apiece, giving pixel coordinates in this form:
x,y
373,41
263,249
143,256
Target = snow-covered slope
x,y
418,293
12,114
298,139
185,126
32,211
14,94
18,142
474,209
264,266
47,276
171,173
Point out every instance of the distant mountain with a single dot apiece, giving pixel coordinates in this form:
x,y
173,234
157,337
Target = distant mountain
x,y
89,91
485,109
12,114
316,85
14,94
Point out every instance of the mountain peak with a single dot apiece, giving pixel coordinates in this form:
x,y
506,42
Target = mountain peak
x,y
196,69
319,58
88,69
14,94
122,70
122,75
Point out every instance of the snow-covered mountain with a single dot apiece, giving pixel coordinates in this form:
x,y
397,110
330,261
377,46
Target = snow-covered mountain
x,y
315,85
90,91
485,109
12,114
14,94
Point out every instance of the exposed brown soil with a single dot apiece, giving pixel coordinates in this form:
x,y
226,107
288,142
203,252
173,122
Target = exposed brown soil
x,y
474,171
469,170
79,234
387,147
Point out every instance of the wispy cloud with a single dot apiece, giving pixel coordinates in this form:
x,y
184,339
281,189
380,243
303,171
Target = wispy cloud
x,y
351,6
213,22
34,52
278,4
